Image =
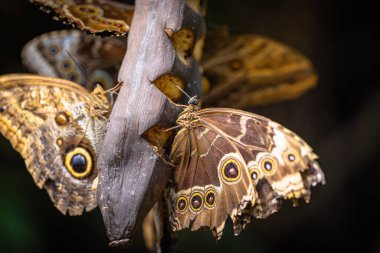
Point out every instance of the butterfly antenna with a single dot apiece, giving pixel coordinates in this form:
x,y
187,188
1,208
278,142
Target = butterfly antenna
x,y
223,86
115,89
184,92
197,90
81,68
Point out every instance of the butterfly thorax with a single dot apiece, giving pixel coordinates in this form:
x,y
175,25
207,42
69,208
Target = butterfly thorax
x,y
189,116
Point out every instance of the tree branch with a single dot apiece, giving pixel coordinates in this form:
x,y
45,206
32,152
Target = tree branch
x,y
132,175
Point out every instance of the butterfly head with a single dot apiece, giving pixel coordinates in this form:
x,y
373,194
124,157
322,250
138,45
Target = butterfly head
x,y
194,101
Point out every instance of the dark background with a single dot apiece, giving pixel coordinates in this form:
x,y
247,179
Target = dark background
x,y
340,118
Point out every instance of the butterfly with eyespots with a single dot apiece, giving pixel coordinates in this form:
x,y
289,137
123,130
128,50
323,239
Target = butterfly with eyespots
x,y
75,56
65,53
57,127
259,200
232,163
228,162
262,69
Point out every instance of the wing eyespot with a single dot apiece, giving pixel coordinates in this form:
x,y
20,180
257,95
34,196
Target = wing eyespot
x,y
255,175
210,198
54,50
59,142
67,66
74,77
291,157
231,170
268,165
79,163
87,9
181,204
62,119
196,201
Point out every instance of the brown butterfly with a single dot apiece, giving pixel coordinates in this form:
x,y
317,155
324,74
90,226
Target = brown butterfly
x,y
231,163
76,56
95,16
57,127
257,69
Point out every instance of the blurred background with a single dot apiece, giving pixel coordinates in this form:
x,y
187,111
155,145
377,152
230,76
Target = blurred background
x,y
340,119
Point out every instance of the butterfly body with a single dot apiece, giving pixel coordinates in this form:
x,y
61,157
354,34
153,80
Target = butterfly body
x,y
57,127
237,164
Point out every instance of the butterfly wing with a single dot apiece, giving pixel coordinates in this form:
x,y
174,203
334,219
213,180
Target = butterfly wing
x,y
75,56
95,16
277,162
211,180
57,127
280,163
250,69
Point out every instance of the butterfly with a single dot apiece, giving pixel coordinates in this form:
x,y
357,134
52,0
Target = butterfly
x,y
75,56
96,16
257,69
57,127
232,163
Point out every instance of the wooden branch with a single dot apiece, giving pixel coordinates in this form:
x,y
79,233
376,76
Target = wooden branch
x,y
132,175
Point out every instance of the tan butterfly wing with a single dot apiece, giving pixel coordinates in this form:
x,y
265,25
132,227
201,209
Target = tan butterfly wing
x,y
56,126
95,16
279,164
250,69
212,180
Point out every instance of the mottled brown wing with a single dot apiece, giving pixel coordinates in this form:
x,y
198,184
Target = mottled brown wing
x,y
250,69
95,16
57,127
75,56
211,180
281,164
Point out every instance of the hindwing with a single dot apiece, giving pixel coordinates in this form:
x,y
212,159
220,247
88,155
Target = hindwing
x,y
57,127
75,56
212,180
95,16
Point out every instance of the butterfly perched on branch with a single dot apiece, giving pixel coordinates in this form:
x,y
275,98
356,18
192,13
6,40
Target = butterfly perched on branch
x,y
256,69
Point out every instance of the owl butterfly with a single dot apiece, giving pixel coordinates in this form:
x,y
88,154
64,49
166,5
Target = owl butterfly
x,y
96,16
237,164
56,126
75,56
257,69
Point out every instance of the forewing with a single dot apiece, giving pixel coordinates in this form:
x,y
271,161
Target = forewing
x,y
281,164
51,123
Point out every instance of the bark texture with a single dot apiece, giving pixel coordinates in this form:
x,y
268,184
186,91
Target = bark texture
x,y
132,175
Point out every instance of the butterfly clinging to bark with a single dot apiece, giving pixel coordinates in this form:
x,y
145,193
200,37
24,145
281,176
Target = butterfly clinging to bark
x,y
57,127
259,70
238,164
